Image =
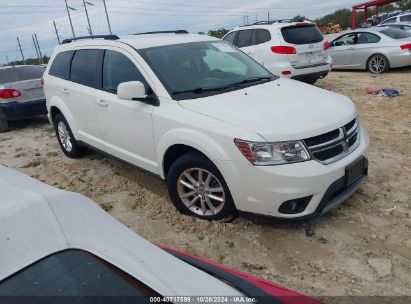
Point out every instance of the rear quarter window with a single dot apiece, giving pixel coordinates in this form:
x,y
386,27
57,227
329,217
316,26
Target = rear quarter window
x,y
8,75
263,36
396,33
61,65
230,37
304,34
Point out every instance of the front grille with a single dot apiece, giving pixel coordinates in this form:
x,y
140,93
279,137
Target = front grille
x,y
335,145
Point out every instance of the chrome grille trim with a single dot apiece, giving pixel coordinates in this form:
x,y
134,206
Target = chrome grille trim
x,y
345,134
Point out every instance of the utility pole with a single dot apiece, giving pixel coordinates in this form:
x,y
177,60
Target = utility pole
x,y
88,19
21,51
57,33
268,16
108,20
38,47
35,47
7,60
71,23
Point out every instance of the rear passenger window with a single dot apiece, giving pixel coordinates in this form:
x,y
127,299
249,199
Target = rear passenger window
x,y
263,36
84,67
244,38
230,37
61,65
117,68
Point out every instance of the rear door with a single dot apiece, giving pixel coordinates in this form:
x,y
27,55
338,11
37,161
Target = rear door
x,y
308,42
365,46
80,93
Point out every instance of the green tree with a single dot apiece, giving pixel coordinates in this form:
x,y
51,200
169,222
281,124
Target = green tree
x,y
218,33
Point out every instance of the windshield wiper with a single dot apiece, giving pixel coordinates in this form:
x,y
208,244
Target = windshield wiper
x,y
249,80
214,89
198,90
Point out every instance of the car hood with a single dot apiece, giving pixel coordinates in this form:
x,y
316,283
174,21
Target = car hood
x,y
278,110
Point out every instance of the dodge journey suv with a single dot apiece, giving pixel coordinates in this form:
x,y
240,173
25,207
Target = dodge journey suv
x,y
226,134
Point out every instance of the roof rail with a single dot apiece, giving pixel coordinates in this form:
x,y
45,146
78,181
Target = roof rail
x,y
164,32
106,37
275,21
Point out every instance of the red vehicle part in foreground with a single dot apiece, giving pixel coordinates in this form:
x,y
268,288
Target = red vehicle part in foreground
x,y
266,291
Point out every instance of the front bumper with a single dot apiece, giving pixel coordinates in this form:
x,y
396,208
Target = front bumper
x,y
263,189
19,110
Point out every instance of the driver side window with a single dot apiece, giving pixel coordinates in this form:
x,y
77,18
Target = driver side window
x,y
349,39
117,68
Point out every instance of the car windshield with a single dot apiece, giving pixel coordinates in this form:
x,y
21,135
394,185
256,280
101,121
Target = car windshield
x,y
396,33
198,69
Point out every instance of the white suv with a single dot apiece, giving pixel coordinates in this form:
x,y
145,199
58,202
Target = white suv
x,y
288,49
226,134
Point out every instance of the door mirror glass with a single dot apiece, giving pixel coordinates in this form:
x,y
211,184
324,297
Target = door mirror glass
x,y
131,90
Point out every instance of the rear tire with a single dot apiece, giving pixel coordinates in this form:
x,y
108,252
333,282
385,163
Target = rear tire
x,y
378,64
197,188
66,138
4,125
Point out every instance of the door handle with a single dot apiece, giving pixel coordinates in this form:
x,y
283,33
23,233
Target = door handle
x,y
102,102
65,91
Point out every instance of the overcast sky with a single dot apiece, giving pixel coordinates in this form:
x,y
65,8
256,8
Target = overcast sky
x,y
22,18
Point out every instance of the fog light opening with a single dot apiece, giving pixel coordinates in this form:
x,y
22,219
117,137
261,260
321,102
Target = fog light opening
x,y
295,206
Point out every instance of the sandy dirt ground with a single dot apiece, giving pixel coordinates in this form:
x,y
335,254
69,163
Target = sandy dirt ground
x,y
361,248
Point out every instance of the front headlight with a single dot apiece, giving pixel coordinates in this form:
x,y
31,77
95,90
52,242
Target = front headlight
x,y
265,154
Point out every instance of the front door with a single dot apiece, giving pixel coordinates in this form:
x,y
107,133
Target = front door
x,y
126,125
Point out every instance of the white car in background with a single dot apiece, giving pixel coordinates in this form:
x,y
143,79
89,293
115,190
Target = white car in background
x,y
399,18
226,134
287,49
61,247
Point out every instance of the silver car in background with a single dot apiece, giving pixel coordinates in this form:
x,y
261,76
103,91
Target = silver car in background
x,y
21,93
399,25
376,49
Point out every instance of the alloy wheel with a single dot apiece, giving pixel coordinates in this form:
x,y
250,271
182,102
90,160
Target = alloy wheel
x,y
201,192
378,64
64,136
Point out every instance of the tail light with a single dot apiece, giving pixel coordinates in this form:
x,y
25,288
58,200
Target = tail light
x,y
42,81
406,47
9,93
326,45
288,50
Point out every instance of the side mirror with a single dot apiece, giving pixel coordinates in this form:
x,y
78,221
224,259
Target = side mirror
x,y
131,90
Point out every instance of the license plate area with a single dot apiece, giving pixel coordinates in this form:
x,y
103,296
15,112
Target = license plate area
x,y
356,170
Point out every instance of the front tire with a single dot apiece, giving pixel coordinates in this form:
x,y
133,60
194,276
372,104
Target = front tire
x,y
378,64
4,125
66,138
197,188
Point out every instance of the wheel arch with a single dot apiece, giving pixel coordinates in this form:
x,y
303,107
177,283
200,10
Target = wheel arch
x,y
56,106
178,142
